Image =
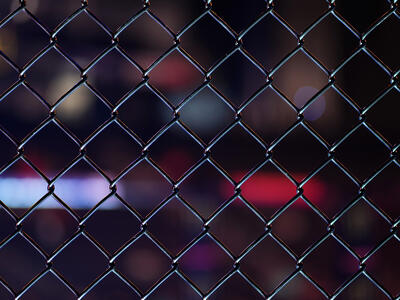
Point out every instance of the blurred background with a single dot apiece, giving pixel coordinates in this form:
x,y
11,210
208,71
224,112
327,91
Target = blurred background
x,y
143,188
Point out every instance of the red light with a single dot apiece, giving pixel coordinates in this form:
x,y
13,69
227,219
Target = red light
x,y
273,189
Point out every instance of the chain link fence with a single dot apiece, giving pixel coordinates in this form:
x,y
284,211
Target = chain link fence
x,y
199,150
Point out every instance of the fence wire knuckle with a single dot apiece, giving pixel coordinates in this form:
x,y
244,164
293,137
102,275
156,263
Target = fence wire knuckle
x,y
269,148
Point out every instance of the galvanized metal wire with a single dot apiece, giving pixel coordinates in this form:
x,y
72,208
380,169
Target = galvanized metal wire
x,y
146,148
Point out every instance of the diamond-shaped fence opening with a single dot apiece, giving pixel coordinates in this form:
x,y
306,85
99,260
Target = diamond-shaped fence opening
x,y
205,149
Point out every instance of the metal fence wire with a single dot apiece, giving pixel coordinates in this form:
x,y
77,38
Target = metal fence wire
x,y
235,280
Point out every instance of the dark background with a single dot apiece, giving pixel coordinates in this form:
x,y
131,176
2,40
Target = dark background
x,y
143,188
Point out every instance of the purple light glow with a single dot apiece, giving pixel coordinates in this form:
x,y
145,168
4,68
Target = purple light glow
x,y
316,109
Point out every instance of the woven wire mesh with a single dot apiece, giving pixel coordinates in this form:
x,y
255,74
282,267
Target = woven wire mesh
x,y
208,223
